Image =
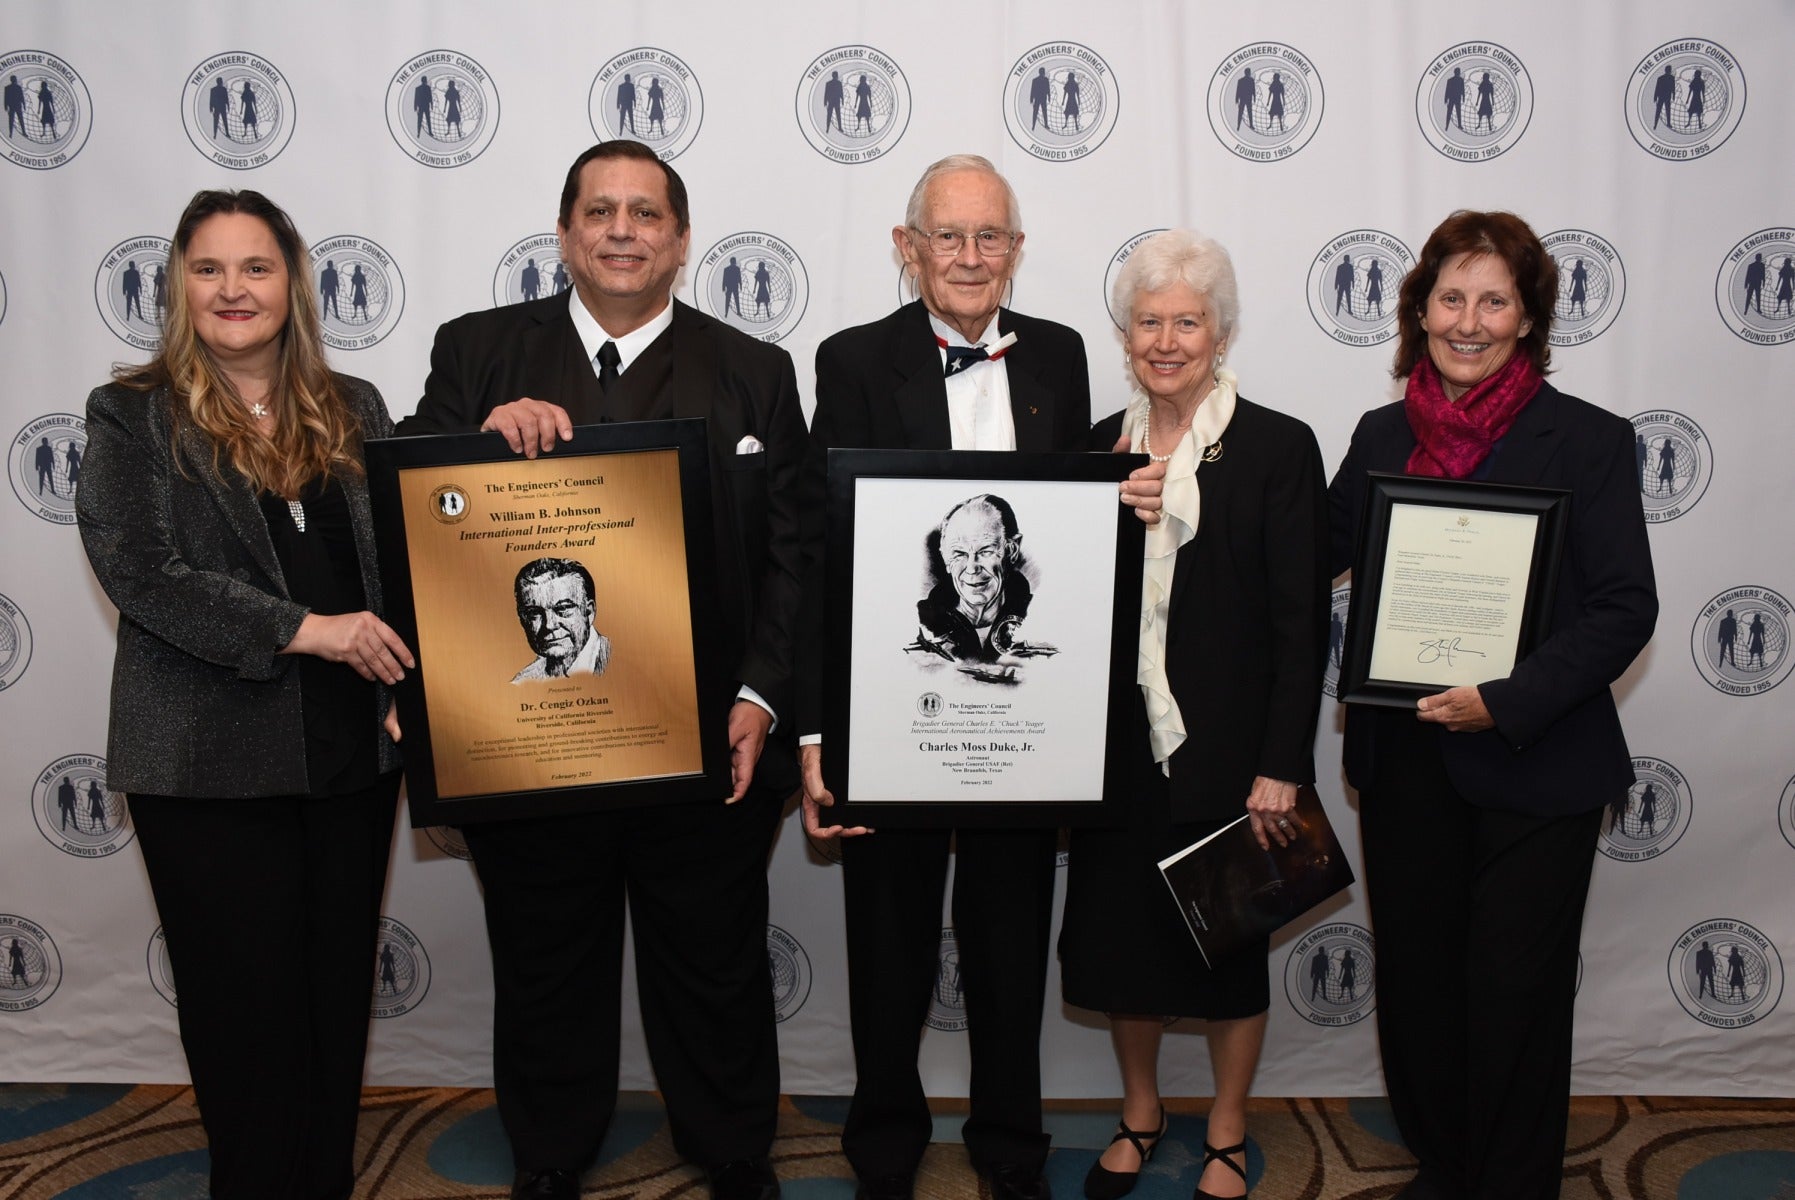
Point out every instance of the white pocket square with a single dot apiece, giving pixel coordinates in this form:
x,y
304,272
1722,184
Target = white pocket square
x,y
750,445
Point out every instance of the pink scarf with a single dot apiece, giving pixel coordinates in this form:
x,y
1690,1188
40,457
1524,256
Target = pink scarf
x,y
1451,439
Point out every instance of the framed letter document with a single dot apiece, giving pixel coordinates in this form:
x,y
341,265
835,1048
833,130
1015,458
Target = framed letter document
x,y
981,638
563,614
1452,587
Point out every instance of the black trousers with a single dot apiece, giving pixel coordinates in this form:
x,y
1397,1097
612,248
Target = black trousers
x,y
270,908
1477,914
1002,915
696,879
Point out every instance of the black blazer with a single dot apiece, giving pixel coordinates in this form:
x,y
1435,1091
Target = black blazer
x,y
880,386
741,386
202,703
1557,747
1246,637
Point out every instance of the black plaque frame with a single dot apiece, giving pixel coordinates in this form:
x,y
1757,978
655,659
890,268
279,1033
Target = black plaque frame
x,y
1384,490
387,458
845,468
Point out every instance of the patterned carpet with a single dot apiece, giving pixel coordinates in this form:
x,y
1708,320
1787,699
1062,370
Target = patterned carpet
x,y
96,1142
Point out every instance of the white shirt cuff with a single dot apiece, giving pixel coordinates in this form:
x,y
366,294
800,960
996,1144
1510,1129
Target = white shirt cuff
x,y
753,697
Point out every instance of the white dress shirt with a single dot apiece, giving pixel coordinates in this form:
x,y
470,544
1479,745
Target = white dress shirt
x,y
629,348
978,398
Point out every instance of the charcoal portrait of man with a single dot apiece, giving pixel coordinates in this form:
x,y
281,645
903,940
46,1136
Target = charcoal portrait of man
x,y
979,591
556,603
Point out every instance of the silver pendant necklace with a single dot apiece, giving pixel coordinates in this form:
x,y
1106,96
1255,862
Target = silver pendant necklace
x,y
298,511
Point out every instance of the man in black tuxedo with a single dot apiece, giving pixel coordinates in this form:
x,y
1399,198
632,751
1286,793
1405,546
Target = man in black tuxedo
x,y
950,371
618,347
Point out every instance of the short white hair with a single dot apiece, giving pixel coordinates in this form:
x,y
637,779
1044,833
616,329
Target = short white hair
x,y
959,162
1181,256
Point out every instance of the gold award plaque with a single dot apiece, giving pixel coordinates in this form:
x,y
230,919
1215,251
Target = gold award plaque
x,y
500,719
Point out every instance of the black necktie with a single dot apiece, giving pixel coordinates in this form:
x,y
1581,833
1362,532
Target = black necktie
x,y
608,358
961,357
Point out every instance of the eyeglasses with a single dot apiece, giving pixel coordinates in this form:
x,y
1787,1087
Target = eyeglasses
x,y
990,243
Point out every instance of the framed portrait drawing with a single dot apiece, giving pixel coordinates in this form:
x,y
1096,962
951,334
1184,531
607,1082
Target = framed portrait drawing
x,y
1452,587
563,614
981,634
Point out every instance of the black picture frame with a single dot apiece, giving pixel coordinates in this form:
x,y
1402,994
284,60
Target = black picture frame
x,y
1384,492
1109,655
486,457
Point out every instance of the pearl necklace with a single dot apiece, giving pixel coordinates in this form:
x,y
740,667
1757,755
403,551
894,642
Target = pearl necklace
x,y
1147,444
1211,453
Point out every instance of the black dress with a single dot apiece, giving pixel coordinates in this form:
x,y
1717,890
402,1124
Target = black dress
x,y
1124,947
1246,644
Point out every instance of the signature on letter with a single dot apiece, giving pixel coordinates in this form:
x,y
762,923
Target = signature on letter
x,y
1444,648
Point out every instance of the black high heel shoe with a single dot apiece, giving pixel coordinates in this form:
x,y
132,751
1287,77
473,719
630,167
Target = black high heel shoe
x,y
1225,1157
1101,1183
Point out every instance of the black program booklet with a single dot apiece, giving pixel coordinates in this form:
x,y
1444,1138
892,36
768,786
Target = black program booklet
x,y
1231,892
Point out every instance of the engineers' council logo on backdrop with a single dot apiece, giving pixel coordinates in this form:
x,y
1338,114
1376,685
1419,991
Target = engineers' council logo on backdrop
x,y
1726,973
45,465
853,104
401,970
161,968
360,291
48,111
1647,819
791,973
131,290
1685,99
1675,462
30,966
1352,286
1741,641
1060,101
1338,604
530,270
15,643
1123,253
1474,101
1785,812
947,1004
442,108
1328,976
238,109
1265,101
448,841
74,810
1755,289
754,281
1592,283
648,96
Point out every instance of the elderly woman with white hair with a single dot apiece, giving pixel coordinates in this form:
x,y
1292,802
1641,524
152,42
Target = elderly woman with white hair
x,y
1233,643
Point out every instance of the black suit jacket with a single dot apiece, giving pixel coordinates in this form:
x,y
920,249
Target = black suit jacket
x,y
1557,747
1246,638
880,386
202,703
742,387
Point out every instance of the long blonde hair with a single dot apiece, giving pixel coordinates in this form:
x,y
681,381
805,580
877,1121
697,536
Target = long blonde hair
x,y
314,432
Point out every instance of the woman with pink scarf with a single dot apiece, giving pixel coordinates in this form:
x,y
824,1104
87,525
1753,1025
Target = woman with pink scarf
x,y
1479,810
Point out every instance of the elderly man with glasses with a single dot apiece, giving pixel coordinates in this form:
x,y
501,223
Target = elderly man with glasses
x,y
952,370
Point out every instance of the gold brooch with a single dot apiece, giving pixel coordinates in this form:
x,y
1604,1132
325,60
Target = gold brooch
x,y
1212,452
